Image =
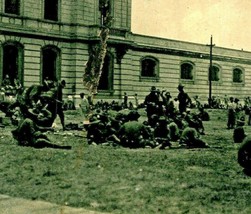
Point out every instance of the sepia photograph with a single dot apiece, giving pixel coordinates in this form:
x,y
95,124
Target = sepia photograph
x,y
125,106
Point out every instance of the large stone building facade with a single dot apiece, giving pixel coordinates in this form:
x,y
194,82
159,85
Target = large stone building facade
x,y
52,39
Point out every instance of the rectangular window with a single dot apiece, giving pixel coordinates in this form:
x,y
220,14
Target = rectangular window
x,y
105,9
12,7
51,10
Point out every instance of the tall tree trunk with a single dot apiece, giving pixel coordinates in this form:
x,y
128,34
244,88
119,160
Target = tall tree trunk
x,y
97,54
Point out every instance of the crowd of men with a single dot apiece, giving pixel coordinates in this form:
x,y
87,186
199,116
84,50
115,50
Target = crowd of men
x,y
165,123
33,111
158,126
158,122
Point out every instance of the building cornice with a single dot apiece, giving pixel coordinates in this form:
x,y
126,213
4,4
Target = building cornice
x,y
188,54
125,38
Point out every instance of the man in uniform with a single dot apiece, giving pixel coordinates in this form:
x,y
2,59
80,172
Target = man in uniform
x,y
183,98
30,131
59,102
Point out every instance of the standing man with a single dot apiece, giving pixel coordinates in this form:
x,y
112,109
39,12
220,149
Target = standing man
x,y
183,98
152,102
136,99
84,106
231,114
125,103
59,102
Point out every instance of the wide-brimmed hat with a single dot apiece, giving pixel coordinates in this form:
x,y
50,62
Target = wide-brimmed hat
x,y
180,86
153,88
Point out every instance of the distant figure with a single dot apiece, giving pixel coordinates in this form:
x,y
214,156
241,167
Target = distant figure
x,y
125,102
226,100
69,105
59,102
231,114
2,94
136,99
6,81
183,98
84,106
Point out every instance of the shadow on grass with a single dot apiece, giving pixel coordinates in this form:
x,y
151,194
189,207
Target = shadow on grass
x,y
42,145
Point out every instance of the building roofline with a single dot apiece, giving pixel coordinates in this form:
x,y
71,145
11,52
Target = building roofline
x,y
185,42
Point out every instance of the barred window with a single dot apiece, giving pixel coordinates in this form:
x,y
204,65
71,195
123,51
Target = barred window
x,y
12,7
215,73
186,71
149,67
237,75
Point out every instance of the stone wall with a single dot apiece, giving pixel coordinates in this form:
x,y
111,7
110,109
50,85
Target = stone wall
x,y
78,26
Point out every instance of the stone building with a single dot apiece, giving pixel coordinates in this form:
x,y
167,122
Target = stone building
x,y
52,38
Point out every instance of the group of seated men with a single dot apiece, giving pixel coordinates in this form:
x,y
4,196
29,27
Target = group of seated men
x,y
159,126
34,112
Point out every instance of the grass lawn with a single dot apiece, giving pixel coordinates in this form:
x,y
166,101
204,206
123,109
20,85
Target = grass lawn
x,y
121,180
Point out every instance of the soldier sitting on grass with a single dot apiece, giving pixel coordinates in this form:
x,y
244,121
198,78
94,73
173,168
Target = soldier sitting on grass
x,y
30,131
161,133
134,134
190,139
239,132
244,155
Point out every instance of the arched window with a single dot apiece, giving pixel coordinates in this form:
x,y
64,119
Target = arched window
x,y
186,71
50,63
237,75
12,7
51,10
106,79
149,67
215,73
12,66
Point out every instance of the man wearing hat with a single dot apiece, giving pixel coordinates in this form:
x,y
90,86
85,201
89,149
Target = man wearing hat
x,y
183,98
152,97
152,101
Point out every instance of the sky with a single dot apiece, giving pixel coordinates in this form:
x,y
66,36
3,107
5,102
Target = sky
x,y
228,21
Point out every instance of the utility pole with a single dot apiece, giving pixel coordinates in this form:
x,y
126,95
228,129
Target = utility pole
x,y
210,71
